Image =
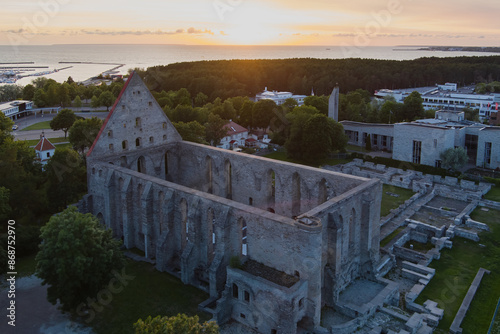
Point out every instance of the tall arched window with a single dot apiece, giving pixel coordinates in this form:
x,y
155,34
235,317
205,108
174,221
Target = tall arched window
x,y
352,231
296,195
322,192
184,223
141,165
243,233
229,179
211,237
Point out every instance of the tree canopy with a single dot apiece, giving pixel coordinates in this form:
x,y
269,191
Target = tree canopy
x,y
63,121
77,257
312,135
83,133
66,179
454,158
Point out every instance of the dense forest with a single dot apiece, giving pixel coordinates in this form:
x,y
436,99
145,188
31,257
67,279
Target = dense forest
x,y
229,78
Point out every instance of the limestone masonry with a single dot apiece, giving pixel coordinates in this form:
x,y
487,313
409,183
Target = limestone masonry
x,y
302,234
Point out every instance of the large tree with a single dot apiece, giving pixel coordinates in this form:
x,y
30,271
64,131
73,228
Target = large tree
x,y
263,113
191,131
66,179
107,99
179,324
215,129
412,107
454,158
5,127
83,133
319,102
63,121
77,257
313,135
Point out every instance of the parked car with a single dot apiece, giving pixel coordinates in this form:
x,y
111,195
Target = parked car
x,y
15,127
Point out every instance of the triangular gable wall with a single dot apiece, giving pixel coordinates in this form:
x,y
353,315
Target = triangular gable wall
x,y
136,118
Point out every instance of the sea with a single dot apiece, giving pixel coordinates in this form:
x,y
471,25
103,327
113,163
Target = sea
x,y
83,61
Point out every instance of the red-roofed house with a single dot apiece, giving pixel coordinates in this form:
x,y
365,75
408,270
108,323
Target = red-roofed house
x,y
44,150
235,137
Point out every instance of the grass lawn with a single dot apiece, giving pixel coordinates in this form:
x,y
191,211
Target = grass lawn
x,y
38,126
390,202
283,157
60,146
456,270
493,194
52,140
418,246
150,293
387,239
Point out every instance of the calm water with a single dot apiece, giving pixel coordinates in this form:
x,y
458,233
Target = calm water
x,y
150,55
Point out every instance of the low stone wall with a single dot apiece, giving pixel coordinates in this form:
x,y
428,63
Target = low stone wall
x,y
409,254
455,326
431,231
475,224
454,231
400,209
490,204
461,218
348,327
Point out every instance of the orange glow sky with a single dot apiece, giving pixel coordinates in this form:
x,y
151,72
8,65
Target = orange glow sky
x,y
254,22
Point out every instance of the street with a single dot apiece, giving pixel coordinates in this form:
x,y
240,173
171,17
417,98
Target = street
x,y
49,133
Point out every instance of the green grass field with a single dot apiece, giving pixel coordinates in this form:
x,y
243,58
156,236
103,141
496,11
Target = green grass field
x,y
283,157
38,126
493,194
387,239
150,293
456,270
390,202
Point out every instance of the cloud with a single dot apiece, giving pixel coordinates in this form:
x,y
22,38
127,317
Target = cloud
x,y
198,31
144,32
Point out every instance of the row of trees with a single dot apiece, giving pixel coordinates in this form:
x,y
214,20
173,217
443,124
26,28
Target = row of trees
x,y
49,93
230,78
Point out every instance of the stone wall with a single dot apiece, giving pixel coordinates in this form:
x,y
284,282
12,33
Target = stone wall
x,y
192,208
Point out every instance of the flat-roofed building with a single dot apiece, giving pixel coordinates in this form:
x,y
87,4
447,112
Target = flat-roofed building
x,y
16,109
279,97
448,97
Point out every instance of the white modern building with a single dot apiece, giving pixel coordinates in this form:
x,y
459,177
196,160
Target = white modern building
x,y
16,109
423,141
279,97
449,97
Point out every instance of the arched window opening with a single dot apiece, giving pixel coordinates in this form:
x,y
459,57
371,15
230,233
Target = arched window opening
x,y
229,181
244,244
141,165
166,164
184,224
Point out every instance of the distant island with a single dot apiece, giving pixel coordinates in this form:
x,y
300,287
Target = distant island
x,y
461,48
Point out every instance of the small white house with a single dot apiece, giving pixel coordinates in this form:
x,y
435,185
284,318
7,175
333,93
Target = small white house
x,y
44,150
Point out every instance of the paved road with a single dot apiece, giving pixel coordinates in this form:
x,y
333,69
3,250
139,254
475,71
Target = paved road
x,y
49,133
34,314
